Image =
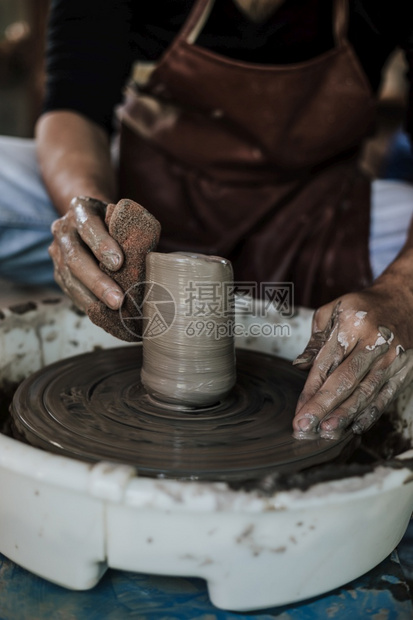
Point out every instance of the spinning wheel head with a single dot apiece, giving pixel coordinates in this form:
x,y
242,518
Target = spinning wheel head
x,y
93,407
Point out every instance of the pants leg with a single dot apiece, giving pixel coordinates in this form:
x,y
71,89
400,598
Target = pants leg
x,y
26,214
399,160
392,210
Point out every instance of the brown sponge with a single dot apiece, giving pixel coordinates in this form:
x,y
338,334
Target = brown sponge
x,y
137,233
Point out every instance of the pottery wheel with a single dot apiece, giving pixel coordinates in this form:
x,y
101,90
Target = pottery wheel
x,y
93,407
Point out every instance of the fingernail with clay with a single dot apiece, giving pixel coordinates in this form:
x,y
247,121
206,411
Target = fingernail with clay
x,y
332,427
357,428
307,427
386,333
113,299
365,420
303,360
111,260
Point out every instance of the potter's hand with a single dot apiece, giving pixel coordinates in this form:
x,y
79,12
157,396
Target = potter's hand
x,y
358,360
81,239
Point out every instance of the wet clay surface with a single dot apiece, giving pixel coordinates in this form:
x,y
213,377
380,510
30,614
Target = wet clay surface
x,y
106,414
203,368
137,233
379,446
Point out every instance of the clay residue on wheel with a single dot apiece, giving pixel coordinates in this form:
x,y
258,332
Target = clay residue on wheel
x,y
137,233
51,301
7,390
379,446
23,308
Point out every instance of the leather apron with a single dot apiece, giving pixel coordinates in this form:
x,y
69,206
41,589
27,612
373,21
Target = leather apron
x,y
256,163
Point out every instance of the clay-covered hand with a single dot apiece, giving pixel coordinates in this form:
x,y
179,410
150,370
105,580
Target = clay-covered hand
x,y
360,357
81,241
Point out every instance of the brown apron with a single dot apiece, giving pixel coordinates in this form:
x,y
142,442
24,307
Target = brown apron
x,y
257,163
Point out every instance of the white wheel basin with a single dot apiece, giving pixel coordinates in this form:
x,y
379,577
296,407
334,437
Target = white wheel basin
x,y
67,521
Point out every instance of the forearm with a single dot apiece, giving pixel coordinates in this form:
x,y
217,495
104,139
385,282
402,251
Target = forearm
x,y
74,158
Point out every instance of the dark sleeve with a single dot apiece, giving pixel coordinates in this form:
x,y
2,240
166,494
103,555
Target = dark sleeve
x,y
392,25
409,114
88,57
405,41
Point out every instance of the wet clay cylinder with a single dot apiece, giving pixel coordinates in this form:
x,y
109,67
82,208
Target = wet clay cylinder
x,y
191,363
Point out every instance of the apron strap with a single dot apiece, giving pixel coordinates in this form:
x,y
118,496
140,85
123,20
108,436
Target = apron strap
x,y
340,19
196,21
142,71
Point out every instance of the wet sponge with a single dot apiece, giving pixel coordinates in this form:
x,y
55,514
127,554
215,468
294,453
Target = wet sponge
x,y
137,233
